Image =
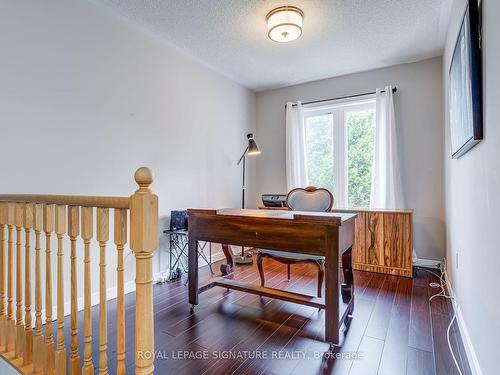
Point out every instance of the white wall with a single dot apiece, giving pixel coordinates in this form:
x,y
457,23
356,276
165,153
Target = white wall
x,y
86,98
420,125
472,189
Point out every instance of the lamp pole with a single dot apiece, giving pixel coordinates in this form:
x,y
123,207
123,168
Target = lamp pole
x,y
243,187
251,149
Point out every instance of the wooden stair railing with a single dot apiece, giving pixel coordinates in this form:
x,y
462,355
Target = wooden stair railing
x,y
23,341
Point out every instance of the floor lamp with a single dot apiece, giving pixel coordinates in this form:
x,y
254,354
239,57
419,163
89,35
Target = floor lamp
x,y
251,150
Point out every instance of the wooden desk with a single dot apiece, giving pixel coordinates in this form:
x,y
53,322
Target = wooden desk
x,y
326,234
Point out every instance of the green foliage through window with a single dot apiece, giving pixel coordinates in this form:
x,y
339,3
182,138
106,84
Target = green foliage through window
x,y
360,144
321,163
319,151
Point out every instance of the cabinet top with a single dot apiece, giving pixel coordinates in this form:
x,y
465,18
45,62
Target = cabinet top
x,y
382,210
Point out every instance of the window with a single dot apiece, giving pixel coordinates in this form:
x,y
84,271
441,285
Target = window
x,y
339,149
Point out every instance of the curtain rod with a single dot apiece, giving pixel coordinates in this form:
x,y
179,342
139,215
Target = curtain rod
x,y
394,89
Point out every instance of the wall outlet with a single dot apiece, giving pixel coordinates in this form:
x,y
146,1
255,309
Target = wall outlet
x,y
456,260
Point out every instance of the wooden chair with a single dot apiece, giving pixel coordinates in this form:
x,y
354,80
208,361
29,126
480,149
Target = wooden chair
x,y
307,199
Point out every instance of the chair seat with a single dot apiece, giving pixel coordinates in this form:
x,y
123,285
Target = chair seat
x,y
286,254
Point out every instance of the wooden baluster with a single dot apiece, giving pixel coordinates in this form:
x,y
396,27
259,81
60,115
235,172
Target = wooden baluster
x,y
3,222
120,232
103,237
10,278
19,346
38,350
87,233
28,334
74,231
61,349
143,241
48,227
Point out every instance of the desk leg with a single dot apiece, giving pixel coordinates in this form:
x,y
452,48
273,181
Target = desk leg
x,y
347,285
332,290
227,268
193,270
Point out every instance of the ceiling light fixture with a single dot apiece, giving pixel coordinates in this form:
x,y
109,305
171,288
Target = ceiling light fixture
x,y
284,24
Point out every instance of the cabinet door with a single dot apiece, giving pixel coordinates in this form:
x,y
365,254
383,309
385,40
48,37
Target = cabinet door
x,y
359,239
374,238
407,241
393,240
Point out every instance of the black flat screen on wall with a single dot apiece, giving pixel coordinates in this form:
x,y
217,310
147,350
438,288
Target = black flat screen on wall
x,y
465,88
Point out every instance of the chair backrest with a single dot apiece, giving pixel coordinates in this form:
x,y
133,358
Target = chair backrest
x,y
310,199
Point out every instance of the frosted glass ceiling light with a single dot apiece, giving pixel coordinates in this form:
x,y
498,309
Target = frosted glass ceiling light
x,y
284,24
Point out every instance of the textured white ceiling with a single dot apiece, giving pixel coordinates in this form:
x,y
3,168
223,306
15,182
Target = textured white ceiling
x,y
340,36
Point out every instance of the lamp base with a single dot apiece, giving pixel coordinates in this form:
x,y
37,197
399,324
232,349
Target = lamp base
x,y
243,260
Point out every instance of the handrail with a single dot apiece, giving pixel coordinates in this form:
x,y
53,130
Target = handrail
x,y
69,200
85,220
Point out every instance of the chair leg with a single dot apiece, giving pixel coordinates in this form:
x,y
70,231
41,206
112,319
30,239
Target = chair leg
x,y
321,276
288,271
261,270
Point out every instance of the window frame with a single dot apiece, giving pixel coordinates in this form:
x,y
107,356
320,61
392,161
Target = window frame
x,y
338,110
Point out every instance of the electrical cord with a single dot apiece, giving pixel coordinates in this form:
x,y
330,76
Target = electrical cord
x,y
443,284
449,343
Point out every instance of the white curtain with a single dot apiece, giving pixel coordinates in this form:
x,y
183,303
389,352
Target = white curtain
x,y
296,171
386,190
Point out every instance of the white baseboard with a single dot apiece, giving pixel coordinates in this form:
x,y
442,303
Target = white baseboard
x,y
112,293
219,255
464,332
162,276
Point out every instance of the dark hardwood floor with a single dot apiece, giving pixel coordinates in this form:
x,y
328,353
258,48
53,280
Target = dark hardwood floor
x,y
395,330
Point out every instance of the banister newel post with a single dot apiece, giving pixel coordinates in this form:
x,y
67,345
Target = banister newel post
x,y
144,241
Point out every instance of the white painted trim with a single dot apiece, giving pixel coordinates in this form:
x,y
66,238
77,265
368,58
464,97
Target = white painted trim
x,y
112,293
219,255
462,326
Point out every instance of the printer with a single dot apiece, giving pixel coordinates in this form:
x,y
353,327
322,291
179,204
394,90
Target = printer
x,y
274,200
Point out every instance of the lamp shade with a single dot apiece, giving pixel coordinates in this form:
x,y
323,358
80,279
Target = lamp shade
x,y
284,24
252,146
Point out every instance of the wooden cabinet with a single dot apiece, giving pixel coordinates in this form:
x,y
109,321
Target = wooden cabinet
x,y
383,241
